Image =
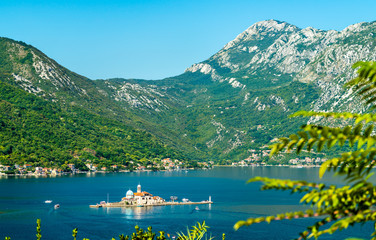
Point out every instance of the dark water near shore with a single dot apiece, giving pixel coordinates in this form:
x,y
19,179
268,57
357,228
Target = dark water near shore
x,y
22,202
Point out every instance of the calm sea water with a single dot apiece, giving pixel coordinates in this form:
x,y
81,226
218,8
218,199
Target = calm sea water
x,y
22,202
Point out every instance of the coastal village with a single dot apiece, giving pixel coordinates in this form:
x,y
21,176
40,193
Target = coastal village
x,y
166,164
142,199
295,162
256,158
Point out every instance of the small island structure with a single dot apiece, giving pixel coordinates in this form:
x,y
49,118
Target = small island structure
x,y
142,199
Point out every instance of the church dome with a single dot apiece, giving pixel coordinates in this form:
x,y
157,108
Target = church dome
x,y
129,194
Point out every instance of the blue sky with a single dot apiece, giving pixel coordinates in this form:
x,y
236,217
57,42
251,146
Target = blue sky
x,y
157,38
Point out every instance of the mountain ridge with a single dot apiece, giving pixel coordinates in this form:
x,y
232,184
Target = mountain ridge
x,y
289,57
227,106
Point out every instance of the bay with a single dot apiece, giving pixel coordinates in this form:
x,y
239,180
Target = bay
x,y
22,202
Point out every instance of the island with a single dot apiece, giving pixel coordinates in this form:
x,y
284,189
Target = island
x,y
142,199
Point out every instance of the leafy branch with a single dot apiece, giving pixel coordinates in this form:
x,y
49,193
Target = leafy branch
x,y
365,83
338,207
197,232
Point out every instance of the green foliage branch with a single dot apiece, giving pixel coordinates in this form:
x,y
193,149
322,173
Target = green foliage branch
x,y
197,232
337,206
39,232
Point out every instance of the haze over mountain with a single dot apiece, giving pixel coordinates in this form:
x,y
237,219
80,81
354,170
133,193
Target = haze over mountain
x,y
223,108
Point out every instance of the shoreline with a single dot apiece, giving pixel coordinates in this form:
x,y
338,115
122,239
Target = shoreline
x,y
88,172
3,175
269,165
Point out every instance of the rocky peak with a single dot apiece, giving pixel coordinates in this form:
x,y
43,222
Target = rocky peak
x,y
34,72
357,27
271,53
260,29
273,25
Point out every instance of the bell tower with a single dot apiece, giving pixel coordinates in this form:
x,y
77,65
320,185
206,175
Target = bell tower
x,y
139,188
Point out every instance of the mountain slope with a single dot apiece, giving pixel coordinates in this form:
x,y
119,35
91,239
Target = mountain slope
x,y
222,108
240,98
33,130
26,67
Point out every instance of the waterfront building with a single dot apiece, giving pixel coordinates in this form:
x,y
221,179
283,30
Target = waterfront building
x,y
72,167
38,170
89,166
141,198
27,165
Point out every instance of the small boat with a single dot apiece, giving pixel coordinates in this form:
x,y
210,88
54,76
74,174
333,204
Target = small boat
x,y
48,201
197,208
57,206
96,206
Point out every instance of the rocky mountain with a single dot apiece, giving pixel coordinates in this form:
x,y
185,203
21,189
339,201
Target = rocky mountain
x,y
222,108
51,116
239,99
272,53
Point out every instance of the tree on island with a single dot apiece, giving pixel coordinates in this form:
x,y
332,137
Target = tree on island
x,y
338,206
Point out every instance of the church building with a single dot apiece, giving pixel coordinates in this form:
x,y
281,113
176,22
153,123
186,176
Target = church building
x,y
141,198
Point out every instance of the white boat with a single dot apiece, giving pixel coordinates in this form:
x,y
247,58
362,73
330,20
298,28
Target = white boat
x,y
57,206
48,201
96,206
197,208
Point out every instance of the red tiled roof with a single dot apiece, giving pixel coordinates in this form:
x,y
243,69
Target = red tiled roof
x,y
141,194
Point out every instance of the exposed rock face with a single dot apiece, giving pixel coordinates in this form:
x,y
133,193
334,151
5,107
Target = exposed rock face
x,y
270,51
38,74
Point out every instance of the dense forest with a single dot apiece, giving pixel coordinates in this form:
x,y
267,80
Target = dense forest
x,y
39,132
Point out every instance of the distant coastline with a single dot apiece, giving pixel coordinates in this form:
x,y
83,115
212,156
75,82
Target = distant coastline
x,y
84,172
270,165
92,173
28,169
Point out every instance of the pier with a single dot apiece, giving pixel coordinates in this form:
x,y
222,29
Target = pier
x,y
123,204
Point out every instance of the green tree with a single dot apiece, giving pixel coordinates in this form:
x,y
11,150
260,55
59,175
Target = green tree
x,y
338,206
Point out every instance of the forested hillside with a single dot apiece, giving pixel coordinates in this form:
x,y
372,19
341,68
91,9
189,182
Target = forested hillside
x,y
224,108
39,132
